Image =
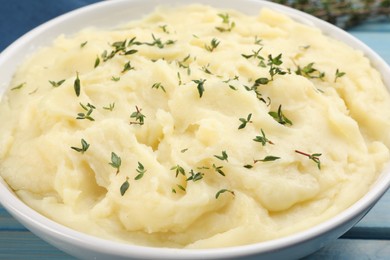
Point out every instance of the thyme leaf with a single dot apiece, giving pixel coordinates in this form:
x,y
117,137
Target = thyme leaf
x,y
21,85
77,85
223,191
125,186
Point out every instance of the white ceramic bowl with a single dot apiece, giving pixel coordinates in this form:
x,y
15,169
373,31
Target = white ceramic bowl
x,y
111,13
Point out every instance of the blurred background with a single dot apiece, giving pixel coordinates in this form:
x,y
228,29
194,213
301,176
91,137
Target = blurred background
x,y
20,16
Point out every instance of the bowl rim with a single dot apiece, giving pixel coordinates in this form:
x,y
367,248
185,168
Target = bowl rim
x,y
34,220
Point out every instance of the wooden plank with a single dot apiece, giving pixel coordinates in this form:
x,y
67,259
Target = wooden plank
x,y
353,249
24,245
7,222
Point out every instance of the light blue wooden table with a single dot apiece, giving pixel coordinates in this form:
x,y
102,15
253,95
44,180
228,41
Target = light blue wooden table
x,y
369,239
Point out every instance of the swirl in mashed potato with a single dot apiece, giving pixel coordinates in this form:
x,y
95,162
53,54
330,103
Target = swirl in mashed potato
x,y
194,127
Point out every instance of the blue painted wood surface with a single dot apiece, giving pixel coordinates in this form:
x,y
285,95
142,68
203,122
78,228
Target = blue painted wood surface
x,y
369,239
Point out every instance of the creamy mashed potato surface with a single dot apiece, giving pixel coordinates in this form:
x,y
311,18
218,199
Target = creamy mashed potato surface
x,y
194,128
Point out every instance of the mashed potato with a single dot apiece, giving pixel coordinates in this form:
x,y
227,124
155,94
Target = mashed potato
x,y
194,128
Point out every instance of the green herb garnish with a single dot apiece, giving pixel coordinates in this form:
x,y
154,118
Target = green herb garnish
x,y
338,74
178,170
115,162
213,45
21,85
84,147
141,171
77,85
245,121
110,107
227,25
89,108
158,86
314,157
262,139
223,191
139,117
280,117
56,84
268,158
223,157
200,86
125,186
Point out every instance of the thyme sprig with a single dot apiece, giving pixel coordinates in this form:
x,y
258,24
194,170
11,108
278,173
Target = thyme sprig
x,y
56,84
314,157
262,139
159,43
280,117
213,45
141,171
245,121
200,86
89,109
219,169
116,162
223,157
227,25
158,85
84,147
195,176
310,72
338,74
178,170
139,117
110,106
